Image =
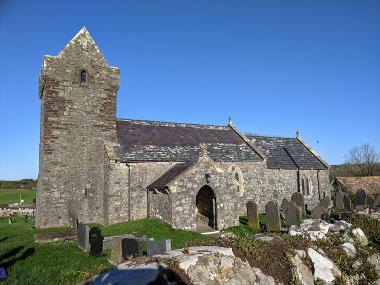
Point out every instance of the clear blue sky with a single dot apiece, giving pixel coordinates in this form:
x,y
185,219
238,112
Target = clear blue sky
x,y
274,66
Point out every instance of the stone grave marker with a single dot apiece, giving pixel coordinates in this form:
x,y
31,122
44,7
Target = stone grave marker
x,y
347,203
298,198
158,246
253,214
377,201
319,212
360,199
83,236
326,203
284,207
370,202
294,214
339,204
132,247
96,241
117,251
273,217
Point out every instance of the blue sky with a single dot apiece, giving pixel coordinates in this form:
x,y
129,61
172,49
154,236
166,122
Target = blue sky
x,y
274,66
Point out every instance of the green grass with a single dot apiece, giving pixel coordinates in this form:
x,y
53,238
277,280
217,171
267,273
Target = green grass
x,y
27,262
13,196
153,228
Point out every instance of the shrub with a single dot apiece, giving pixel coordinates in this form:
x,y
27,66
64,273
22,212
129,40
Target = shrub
x,y
370,226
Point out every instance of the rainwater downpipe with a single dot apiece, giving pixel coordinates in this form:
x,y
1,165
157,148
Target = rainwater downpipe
x,y
319,189
129,191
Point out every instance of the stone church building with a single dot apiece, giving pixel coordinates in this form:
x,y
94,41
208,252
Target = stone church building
x,y
95,168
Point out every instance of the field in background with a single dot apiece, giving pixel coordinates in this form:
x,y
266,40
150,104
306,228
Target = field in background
x,y
13,196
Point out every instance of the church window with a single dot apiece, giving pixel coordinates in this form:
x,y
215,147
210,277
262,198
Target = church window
x,y
237,177
305,186
83,77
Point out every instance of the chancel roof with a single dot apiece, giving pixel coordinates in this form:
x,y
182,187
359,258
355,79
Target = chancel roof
x,y
165,141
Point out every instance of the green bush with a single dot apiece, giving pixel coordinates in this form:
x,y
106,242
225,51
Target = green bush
x,y
370,226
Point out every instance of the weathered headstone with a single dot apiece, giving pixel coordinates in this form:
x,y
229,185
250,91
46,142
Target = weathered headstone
x,y
360,199
284,206
347,203
294,214
117,251
339,204
83,236
318,212
96,241
158,246
132,247
326,203
273,217
377,201
253,215
370,200
298,198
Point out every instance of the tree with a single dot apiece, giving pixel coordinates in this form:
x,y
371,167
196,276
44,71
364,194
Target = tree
x,y
362,160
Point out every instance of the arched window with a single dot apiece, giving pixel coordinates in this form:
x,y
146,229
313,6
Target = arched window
x,y
83,77
305,186
237,177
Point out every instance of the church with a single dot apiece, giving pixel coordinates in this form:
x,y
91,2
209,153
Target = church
x,y
96,168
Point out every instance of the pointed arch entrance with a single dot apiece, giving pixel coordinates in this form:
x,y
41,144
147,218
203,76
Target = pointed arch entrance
x,y
206,205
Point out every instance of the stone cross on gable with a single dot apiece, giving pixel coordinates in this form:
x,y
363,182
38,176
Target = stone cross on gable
x,y
203,148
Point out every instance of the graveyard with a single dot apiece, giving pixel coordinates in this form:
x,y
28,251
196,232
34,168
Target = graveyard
x,y
335,243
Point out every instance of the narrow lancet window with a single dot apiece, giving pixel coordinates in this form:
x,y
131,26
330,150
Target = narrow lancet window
x,y
83,77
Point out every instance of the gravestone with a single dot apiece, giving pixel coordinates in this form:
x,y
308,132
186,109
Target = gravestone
x,y
360,199
298,198
252,215
273,217
326,203
3,274
132,247
294,214
284,207
158,246
96,241
83,236
347,203
117,251
370,200
377,201
319,212
339,204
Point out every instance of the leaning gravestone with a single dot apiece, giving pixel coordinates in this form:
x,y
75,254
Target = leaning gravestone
x,y
158,246
377,202
339,203
360,199
252,214
326,203
132,247
83,236
347,203
294,214
318,212
298,198
273,217
117,251
370,200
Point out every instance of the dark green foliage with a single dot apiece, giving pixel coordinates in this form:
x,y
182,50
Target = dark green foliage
x,y
20,184
370,226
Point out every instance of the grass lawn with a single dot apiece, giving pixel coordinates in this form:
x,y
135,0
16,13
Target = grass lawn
x,y
13,196
63,262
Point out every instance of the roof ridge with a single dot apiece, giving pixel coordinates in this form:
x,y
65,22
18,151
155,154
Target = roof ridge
x,y
167,123
272,137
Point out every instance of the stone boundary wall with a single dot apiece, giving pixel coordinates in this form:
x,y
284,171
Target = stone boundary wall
x,y
6,212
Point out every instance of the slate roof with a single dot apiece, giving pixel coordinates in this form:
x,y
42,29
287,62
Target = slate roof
x,y
371,184
169,176
164,141
287,153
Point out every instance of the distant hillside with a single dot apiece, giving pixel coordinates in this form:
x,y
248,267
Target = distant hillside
x,y
347,170
20,184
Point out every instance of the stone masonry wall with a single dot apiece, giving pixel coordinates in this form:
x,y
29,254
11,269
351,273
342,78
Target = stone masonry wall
x,y
75,119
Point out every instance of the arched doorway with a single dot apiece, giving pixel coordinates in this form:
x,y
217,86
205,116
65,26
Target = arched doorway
x,y
206,205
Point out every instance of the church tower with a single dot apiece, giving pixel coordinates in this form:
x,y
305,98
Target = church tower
x,y
78,112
